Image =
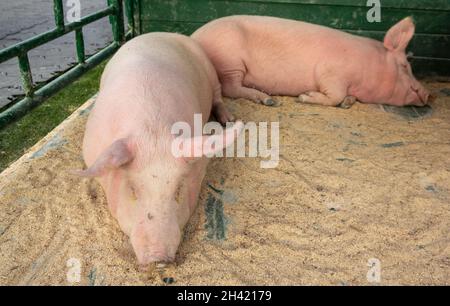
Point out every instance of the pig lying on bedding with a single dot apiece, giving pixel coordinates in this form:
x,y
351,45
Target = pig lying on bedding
x,y
260,56
152,82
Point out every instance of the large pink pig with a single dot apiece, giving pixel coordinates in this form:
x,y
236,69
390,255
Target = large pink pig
x,y
256,57
153,81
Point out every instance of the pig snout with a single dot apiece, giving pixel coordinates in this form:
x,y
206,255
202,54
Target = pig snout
x,y
154,241
423,95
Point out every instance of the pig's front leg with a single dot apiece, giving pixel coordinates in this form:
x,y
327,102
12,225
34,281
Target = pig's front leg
x,y
329,95
323,99
233,87
314,97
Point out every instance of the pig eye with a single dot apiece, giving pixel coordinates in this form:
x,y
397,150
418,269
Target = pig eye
x,y
133,193
179,194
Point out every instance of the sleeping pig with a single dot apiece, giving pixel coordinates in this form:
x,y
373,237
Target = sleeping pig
x,y
256,57
153,82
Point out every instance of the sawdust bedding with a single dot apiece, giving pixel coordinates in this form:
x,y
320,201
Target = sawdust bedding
x,y
352,186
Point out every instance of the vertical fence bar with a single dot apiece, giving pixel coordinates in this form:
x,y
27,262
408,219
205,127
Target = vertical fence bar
x,y
129,10
117,21
58,10
81,54
25,74
137,16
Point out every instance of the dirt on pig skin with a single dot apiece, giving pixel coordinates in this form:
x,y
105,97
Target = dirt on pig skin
x,y
343,197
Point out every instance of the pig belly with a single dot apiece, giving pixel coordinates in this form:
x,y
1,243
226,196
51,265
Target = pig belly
x,y
276,80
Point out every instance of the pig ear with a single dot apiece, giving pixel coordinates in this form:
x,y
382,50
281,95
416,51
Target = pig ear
x,y
217,143
399,36
209,146
116,156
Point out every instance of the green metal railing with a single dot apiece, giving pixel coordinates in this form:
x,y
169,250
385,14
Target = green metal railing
x,y
35,95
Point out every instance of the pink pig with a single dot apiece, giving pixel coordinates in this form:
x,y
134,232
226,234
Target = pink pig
x,y
152,82
255,55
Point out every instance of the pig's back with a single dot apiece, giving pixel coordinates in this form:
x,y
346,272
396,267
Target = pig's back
x,y
163,60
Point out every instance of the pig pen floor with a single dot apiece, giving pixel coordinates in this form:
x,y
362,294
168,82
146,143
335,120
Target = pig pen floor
x,y
353,188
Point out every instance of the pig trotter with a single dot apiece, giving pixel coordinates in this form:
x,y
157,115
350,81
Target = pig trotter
x,y
302,98
348,102
270,102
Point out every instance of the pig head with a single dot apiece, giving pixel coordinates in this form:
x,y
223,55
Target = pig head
x,y
151,192
406,90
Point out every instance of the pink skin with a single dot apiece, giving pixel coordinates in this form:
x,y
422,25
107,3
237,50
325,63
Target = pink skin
x,y
256,57
152,82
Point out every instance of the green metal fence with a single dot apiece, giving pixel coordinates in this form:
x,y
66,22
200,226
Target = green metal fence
x,y
35,95
431,44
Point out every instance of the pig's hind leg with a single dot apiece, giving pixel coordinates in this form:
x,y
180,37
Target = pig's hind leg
x,y
219,109
348,102
233,87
